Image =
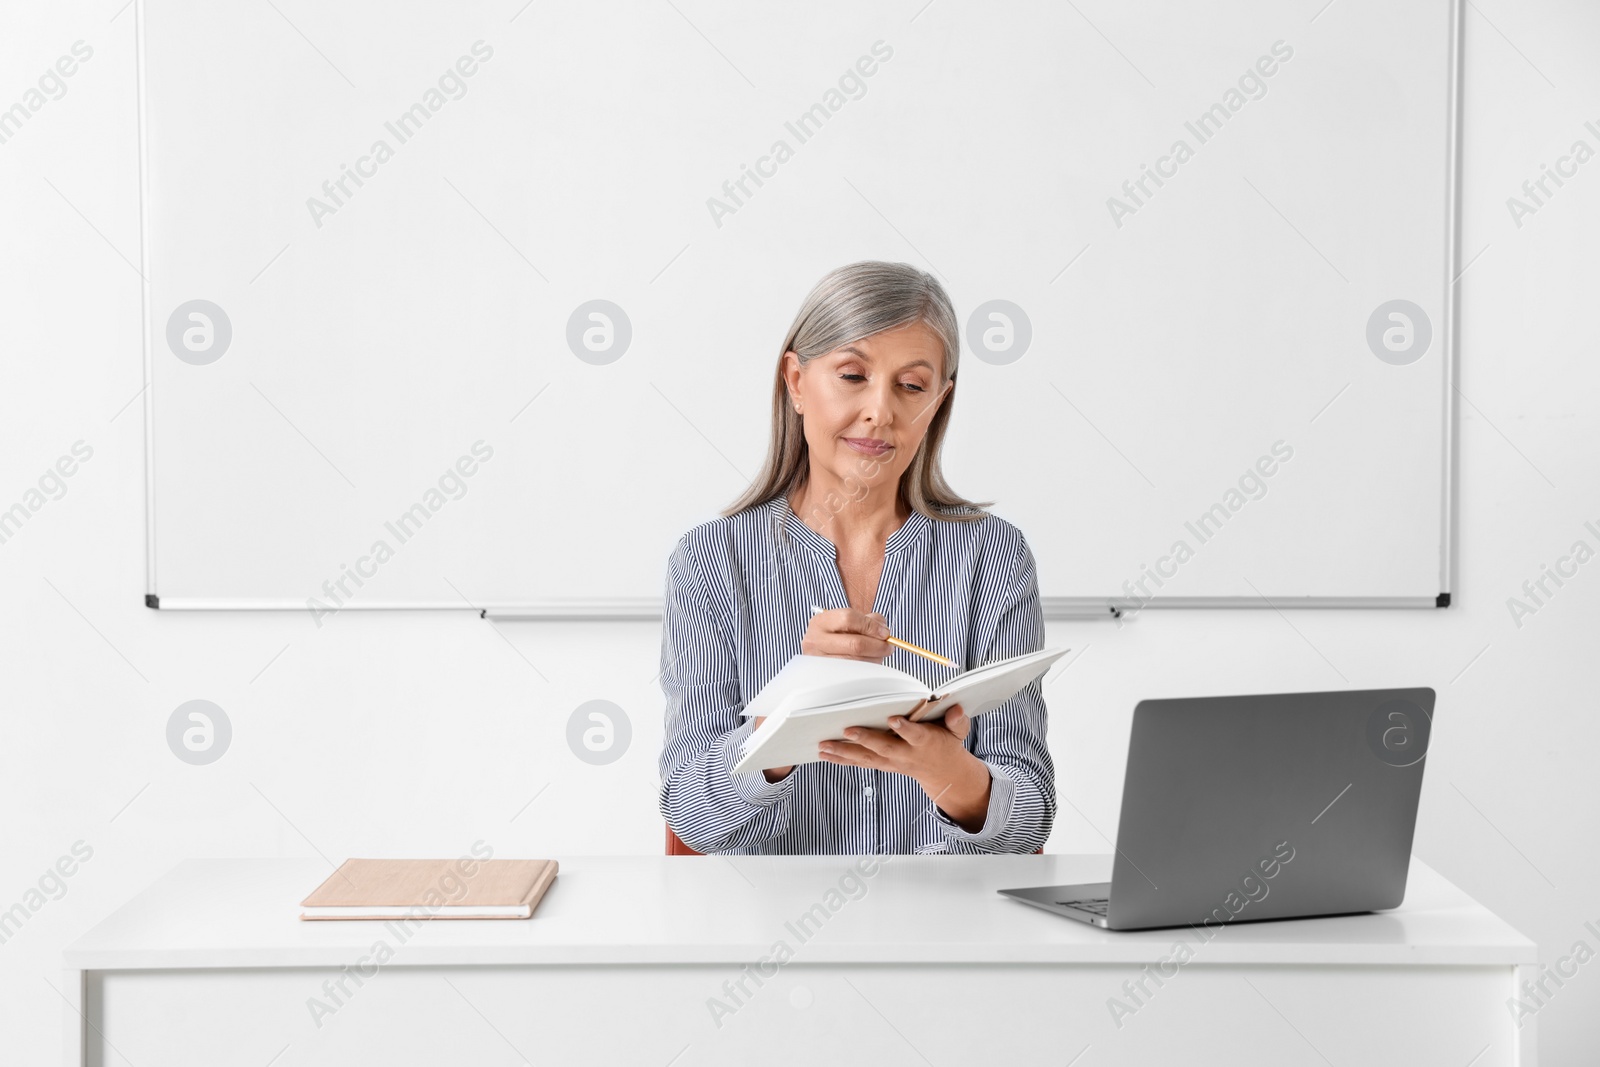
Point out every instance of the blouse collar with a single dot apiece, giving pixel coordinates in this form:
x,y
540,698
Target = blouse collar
x,y
913,531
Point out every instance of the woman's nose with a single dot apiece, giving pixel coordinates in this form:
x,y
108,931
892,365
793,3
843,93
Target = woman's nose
x,y
878,404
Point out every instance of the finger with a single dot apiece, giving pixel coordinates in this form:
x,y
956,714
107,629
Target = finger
x,y
843,752
871,623
957,722
879,742
833,621
851,621
915,733
844,647
868,647
852,646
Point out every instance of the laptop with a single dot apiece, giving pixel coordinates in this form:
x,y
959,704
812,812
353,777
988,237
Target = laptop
x,y
1270,806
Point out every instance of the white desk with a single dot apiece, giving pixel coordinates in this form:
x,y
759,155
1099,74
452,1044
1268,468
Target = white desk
x,y
921,963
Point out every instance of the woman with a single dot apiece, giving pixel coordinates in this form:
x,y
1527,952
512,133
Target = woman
x,y
852,513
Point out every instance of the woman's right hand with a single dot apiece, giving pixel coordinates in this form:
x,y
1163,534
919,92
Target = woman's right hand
x,y
843,632
847,633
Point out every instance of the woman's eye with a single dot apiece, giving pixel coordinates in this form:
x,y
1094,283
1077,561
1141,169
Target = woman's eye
x,y
851,377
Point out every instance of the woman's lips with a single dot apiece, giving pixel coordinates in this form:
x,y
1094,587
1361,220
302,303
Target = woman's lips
x,y
868,446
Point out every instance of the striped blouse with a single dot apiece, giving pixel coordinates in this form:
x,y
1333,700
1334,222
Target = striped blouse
x,y
739,591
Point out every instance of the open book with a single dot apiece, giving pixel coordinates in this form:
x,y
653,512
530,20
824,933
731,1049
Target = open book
x,y
814,698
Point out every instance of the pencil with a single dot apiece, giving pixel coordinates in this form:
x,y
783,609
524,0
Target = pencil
x,y
909,647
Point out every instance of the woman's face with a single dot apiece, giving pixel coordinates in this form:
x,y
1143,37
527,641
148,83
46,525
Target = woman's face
x,y
867,406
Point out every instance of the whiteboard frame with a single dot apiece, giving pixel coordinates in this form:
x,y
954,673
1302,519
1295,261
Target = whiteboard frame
x,y
1055,607
1452,318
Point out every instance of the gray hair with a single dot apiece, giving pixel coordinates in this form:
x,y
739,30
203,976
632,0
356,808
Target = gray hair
x,y
849,303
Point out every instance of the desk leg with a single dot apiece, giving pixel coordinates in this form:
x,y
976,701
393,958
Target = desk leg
x,y
75,987
1527,1034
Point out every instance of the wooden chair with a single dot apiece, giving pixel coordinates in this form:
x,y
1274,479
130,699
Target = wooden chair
x,y
676,847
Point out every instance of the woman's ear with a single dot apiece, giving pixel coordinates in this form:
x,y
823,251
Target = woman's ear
x,y
791,378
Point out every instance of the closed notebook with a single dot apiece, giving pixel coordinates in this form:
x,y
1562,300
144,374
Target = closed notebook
x,y
431,889
815,698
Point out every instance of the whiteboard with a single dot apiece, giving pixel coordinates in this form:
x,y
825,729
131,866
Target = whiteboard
x,y
479,304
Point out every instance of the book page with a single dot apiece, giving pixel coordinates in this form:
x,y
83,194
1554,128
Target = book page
x,y
986,688
819,681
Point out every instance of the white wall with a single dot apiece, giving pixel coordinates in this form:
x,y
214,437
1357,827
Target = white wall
x,y
418,733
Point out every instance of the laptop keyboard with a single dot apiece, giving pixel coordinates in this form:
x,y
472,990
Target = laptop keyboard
x,y
1097,905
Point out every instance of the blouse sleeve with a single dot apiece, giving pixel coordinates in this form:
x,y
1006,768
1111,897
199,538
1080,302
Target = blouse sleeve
x,y
710,808
1011,738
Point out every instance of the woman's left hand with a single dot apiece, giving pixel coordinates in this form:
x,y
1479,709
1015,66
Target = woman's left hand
x,y
932,753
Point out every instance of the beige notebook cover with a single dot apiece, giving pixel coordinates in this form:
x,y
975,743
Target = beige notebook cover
x,y
430,889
